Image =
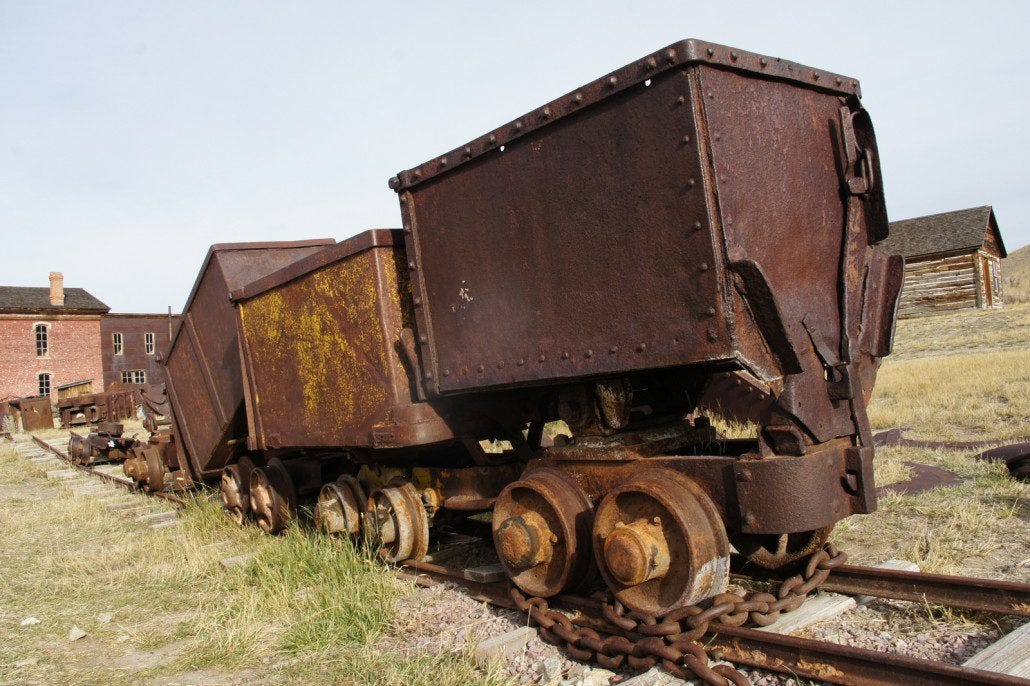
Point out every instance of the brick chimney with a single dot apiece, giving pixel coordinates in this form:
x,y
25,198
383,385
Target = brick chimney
x,y
56,288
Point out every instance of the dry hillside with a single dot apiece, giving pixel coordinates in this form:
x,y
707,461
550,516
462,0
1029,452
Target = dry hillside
x,y
1016,270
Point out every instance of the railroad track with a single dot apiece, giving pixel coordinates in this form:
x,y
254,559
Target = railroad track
x,y
749,647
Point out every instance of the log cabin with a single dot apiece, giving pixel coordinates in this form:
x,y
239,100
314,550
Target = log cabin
x,y
952,261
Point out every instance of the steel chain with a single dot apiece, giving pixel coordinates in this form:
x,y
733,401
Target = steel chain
x,y
672,640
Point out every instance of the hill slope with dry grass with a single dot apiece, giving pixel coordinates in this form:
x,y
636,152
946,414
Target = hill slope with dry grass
x,y
1015,269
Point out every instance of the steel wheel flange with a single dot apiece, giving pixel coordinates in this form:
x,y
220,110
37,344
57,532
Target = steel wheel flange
x,y
235,489
541,528
660,543
156,469
396,519
273,500
340,507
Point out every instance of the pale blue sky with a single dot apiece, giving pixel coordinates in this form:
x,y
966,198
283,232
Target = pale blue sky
x,y
133,135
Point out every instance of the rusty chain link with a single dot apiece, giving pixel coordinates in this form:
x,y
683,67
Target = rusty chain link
x,y
672,640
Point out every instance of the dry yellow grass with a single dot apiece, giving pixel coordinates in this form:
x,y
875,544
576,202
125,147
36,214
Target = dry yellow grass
x,y
1015,271
979,396
304,610
963,376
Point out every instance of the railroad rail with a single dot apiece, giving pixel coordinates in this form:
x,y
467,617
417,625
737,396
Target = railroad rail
x,y
643,646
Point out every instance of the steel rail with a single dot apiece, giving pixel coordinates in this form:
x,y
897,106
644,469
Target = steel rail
x,y
841,664
123,482
968,593
792,655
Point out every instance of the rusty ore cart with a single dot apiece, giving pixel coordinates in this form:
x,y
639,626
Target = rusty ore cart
x,y
598,261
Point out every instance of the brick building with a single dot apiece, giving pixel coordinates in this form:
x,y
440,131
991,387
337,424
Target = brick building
x,y
48,337
133,345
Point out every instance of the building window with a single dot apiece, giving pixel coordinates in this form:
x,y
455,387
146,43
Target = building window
x,y
148,343
116,340
136,376
42,340
44,383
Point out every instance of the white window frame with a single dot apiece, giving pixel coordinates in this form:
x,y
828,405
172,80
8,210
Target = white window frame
x,y
46,338
49,383
148,342
117,343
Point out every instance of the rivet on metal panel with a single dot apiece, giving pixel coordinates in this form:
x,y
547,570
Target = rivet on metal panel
x,y
468,152
711,95
404,199
749,519
565,354
429,375
518,126
491,139
710,52
734,56
447,372
411,264
443,161
729,221
838,80
686,139
577,98
651,63
718,136
521,362
588,353
712,336
613,81
681,99
641,347
614,349
500,365
670,56
697,225
416,174
546,113
815,76
480,369
417,300
704,266
422,338
691,182
710,311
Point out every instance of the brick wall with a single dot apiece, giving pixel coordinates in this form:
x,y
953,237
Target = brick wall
x,y
73,353
133,328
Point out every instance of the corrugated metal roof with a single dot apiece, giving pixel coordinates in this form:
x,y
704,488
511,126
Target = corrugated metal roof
x,y
37,299
937,233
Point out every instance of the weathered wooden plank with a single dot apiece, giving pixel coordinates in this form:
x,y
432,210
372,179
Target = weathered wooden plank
x,y
1010,654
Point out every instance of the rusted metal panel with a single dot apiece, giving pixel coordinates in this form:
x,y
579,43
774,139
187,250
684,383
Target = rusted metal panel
x,y
36,413
320,343
590,236
202,367
703,208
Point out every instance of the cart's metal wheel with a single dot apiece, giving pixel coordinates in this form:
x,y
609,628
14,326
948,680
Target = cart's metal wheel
x,y
396,519
340,507
541,527
273,499
660,543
